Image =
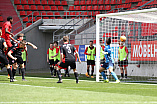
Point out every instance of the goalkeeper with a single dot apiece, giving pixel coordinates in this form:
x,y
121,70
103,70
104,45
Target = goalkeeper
x,y
109,63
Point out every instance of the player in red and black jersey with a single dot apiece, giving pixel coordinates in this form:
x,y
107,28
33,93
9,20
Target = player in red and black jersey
x,y
67,58
3,59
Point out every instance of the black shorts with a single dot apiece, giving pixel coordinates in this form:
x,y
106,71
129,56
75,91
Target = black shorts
x,y
64,65
123,63
102,61
24,63
18,61
55,63
3,59
91,62
51,62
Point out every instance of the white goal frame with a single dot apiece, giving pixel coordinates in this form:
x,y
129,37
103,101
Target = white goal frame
x,y
112,15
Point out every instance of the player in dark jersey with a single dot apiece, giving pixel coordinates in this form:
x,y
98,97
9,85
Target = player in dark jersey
x,y
67,58
3,59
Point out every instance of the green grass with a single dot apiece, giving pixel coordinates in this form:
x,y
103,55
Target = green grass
x,y
46,90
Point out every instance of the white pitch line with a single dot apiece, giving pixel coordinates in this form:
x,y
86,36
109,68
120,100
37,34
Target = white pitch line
x,y
84,102
26,85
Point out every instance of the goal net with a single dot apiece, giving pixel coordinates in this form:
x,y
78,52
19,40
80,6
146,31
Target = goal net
x,y
140,29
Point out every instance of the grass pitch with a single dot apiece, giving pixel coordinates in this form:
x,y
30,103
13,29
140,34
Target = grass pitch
x,y
44,90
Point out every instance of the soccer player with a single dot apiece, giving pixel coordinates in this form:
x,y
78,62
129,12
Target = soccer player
x,y
50,60
6,31
3,59
56,56
109,63
67,58
91,53
123,59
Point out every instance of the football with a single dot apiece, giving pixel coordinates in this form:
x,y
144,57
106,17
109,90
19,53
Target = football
x,y
123,38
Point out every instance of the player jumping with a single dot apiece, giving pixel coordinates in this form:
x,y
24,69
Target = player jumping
x,y
109,63
67,58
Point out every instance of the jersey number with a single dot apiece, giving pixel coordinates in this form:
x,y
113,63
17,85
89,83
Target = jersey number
x,y
69,50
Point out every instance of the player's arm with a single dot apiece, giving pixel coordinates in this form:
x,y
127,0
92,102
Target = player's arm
x,y
10,55
127,53
6,31
29,43
5,46
48,55
95,52
85,52
77,55
118,55
57,49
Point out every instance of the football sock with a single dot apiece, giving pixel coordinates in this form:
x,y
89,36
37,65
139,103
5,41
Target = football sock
x,y
19,70
54,72
13,72
92,72
76,75
114,75
103,74
10,73
125,75
122,75
23,73
51,69
88,71
59,75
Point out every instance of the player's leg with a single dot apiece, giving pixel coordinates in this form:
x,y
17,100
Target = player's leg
x,y
76,75
113,73
88,66
23,71
15,65
51,63
92,71
101,70
125,67
59,75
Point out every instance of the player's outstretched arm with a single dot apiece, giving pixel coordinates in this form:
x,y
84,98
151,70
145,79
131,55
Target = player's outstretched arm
x,y
29,43
77,55
9,54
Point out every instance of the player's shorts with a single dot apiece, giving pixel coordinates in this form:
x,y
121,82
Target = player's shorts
x,y
24,63
108,65
3,59
18,61
55,63
91,62
51,62
123,63
102,61
64,65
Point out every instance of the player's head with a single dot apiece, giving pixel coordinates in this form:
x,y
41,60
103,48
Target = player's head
x,y
0,32
101,41
10,19
108,41
22,44
51,45
55,43
65,39
91,43
20,36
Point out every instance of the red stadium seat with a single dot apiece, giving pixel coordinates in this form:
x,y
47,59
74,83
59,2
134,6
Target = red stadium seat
x,y
50,2
102,7
82,2
84,13
29,13
46,18
77,8
88,2
25,19
89,8
1,18
107,1
42,13
19,7
71,8
23,2
108,7
44,2
33,7
31,2
77,13
64,2
66,13
40,7
83,8
47,8
100,2
26,7
1,24
50,13
59,18
57,2
31,19
113,1
28,24
37,2
22,13
36,13
17,2
54,8
57,13
60,8
119,1
38,18
72,13
76,2
96,12
52,18
90,13
95,8
94,2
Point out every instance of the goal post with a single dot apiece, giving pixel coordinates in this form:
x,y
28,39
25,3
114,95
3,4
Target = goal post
x,y
138,26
